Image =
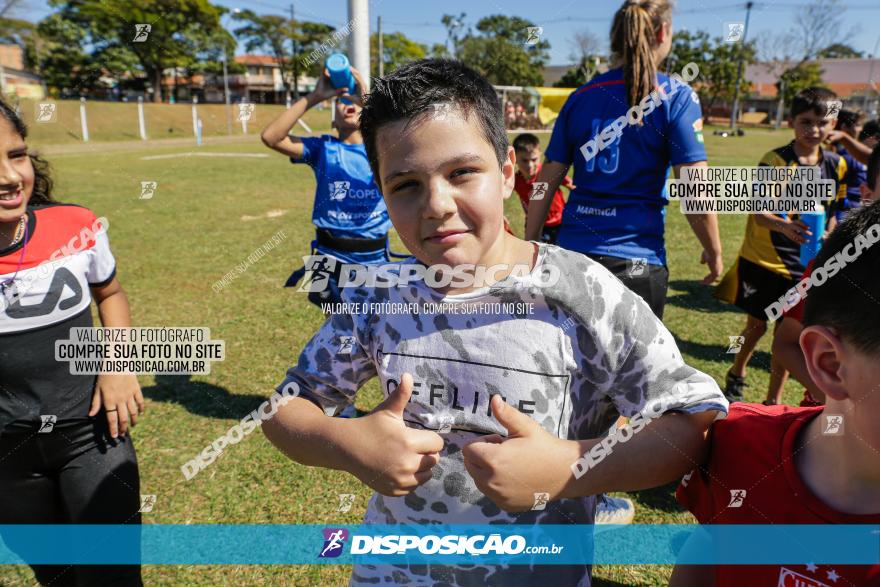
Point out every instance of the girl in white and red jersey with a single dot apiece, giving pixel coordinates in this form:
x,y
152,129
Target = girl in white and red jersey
x,y
65,453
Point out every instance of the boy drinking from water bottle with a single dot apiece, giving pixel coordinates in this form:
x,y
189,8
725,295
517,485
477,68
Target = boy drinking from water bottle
x,y
349,215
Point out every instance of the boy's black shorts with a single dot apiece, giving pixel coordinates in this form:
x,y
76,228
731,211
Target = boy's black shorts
x,y
752,288
648,281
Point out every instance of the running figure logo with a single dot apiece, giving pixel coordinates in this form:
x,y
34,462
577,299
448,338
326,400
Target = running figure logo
x,y
539,190
338,190
736,343
47,424
148,502
346,500
735,32
833,425
46,112
333,542
318,270
148,189
737,496
637,266
541,500
245,111
346,345
141,32
533,34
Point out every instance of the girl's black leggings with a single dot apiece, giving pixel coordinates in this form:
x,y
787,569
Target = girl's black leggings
x,y
75,474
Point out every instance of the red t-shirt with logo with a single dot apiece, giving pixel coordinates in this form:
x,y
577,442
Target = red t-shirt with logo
x,y
753,450
523,188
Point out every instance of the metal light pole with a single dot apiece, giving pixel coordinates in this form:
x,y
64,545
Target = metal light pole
x,y
226,97
226,85
871,75
359,40
739,70
293,66
381,52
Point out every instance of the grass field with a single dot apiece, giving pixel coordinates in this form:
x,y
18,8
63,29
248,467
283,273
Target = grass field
x,y
208,214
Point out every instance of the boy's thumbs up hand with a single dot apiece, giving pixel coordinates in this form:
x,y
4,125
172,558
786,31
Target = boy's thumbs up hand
x,y
392,458
511,470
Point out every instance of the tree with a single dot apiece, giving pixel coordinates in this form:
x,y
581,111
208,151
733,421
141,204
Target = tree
x,y
586,48
273,34
398,49
818,25
507,50
438,50
718,63
57,51
314,38
839,51
453,25
804,75
573,78
270,34
179,30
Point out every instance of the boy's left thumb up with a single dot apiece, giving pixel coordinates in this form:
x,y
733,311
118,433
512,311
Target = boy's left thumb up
x,y
517,423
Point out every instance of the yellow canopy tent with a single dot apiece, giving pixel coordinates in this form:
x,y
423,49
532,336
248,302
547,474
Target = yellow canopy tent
x,y
550,102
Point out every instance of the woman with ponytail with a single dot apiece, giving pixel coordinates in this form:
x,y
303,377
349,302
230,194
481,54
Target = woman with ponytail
x,y
622,131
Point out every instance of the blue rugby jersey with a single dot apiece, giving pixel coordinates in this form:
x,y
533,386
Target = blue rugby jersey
x,y
617,207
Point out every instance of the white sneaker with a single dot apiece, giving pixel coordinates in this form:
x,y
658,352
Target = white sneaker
x,y
614,510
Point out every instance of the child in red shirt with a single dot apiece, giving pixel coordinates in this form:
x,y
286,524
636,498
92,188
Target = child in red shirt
x,y
814,465
528,163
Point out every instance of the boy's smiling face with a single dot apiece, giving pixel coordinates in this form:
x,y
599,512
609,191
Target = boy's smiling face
x,y
444,188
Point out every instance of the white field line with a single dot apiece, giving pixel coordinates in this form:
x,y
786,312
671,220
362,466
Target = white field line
x,y
208,154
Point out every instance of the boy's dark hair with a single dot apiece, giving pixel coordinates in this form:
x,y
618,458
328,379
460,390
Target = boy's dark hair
x,y
874,168
849,118
415,89
846,301
871,129
812,100
42,192
526,142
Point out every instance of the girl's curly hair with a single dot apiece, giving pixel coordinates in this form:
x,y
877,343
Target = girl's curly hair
x,y
42,192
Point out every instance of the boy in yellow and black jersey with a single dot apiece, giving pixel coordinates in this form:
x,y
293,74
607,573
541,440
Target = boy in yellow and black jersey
x,y
769,261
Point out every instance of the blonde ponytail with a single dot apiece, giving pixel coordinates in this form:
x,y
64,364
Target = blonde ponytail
x,y
633,34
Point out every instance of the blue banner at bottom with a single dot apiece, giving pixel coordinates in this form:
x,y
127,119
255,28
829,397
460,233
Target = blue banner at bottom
x,y
442,544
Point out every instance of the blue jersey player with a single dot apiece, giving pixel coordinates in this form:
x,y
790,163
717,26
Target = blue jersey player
x,y
349,214
616,213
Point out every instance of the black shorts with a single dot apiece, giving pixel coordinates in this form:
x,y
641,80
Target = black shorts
x,y
752,288
74,474
648,281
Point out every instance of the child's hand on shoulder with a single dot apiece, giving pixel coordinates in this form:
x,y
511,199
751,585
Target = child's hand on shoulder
x,y
390,457
510,471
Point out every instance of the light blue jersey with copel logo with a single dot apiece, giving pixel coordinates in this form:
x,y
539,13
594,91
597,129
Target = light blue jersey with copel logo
x,y
348,202
617,206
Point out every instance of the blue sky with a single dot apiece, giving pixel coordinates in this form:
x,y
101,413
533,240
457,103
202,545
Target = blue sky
x,y
560,19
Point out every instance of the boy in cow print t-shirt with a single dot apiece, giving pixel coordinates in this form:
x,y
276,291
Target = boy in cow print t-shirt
x,y
484,408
